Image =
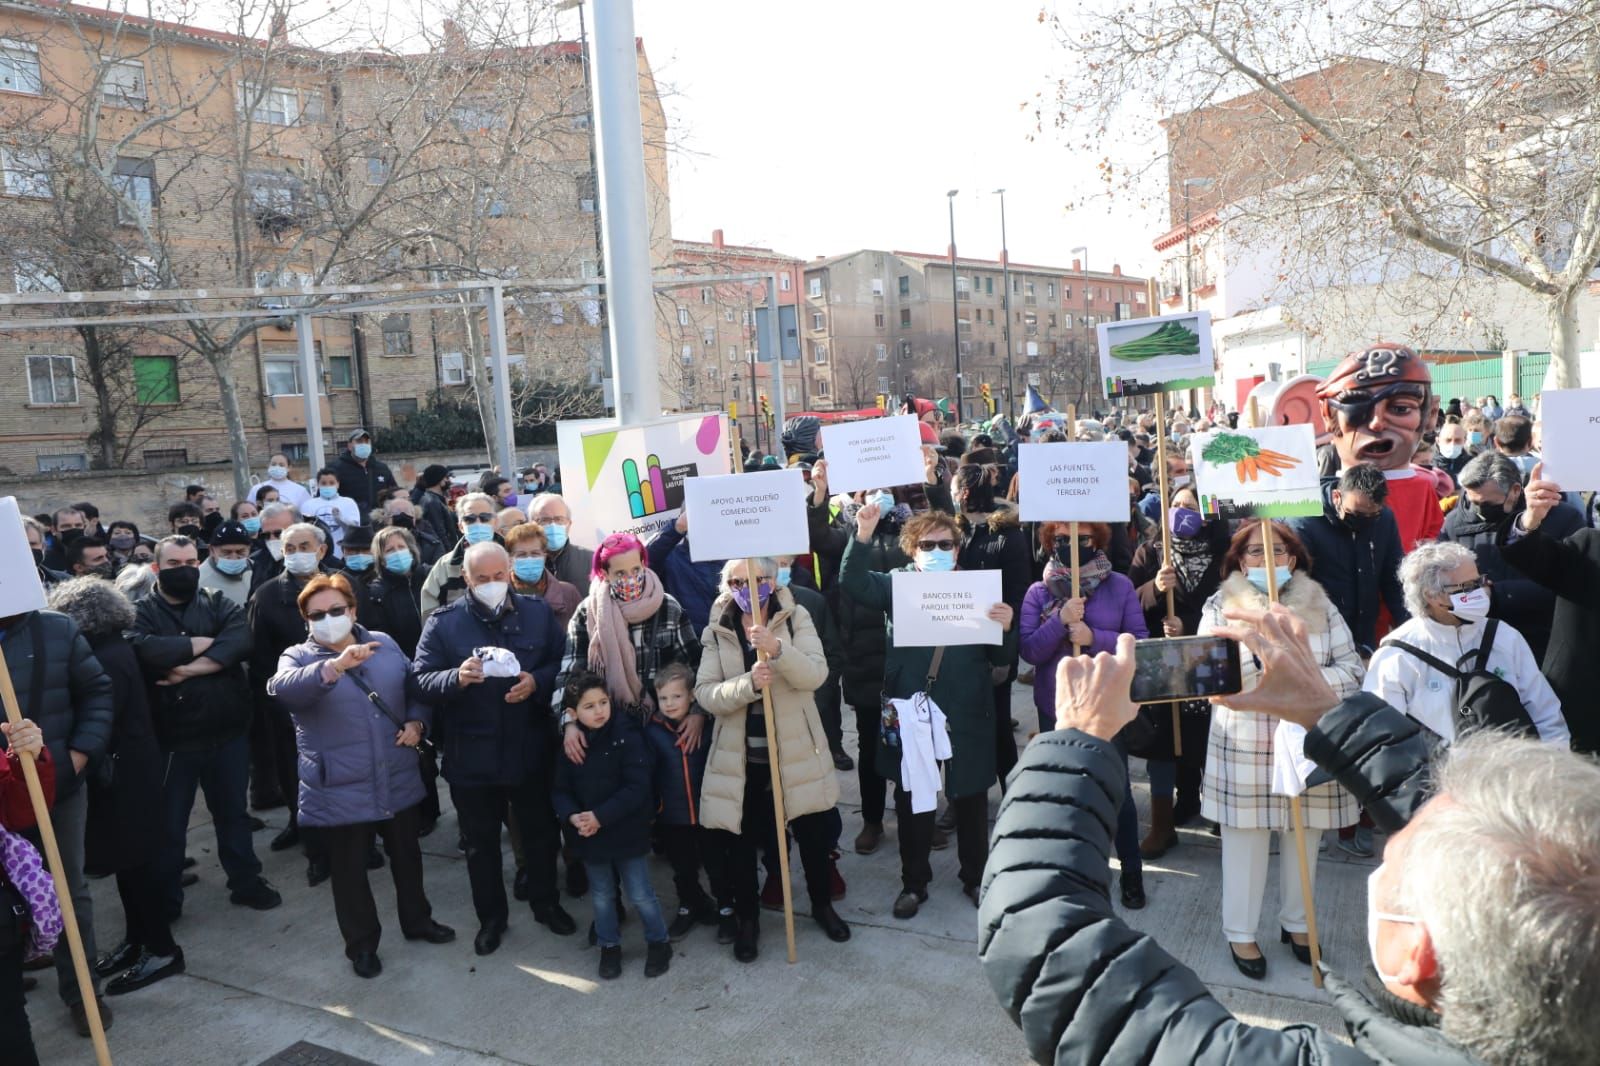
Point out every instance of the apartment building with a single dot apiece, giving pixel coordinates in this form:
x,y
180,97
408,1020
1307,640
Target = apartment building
x,y
142,154
888,322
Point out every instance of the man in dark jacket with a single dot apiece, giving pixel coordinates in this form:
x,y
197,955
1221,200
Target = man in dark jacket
x,y
496,733
361,477
1491,492
60,685
1355,551
1467,940
36,543
570,562
437,515
192,644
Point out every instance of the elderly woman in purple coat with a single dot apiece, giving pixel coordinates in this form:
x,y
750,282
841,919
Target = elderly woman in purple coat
x,y
357,731
1053,622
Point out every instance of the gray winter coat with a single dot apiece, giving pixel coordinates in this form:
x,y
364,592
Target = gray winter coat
x,y
351,769
73,706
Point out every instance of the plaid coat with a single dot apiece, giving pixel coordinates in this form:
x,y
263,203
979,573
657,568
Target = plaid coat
x,y
665,637
1238,778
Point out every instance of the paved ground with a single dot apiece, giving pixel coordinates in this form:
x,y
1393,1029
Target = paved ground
x,y
899,991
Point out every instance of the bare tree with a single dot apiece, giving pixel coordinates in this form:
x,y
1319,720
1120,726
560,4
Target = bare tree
x,y
855,374
1455,139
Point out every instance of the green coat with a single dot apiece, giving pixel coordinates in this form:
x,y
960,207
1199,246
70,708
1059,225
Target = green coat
x,y
964,690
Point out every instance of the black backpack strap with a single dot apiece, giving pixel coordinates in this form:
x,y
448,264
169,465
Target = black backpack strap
x,y
1486,645
1438,664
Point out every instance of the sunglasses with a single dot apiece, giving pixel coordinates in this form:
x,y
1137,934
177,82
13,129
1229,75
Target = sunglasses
x,y
739,582
276,534
1465,587
476,519
945,545
331,612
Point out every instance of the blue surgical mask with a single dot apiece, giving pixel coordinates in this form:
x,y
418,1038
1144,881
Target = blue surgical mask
x,y
327,492
884,500
252,526
362,451
528,571
783,577
398,562
479,532
936,561
555,536
1474,437
231,567
1258,577
277,473
358,563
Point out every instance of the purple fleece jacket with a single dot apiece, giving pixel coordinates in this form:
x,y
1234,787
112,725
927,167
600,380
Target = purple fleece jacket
x,y
1111,610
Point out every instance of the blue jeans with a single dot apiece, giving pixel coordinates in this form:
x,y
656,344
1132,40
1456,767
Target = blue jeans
x,y
1163,777
223,774
635,876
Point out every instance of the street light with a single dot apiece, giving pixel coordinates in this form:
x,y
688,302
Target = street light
x,y
1005,303
955,305
1188,240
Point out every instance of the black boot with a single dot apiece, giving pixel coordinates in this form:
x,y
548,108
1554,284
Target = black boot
x,y
747,940
1133,889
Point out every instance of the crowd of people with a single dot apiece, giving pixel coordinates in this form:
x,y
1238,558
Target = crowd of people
x,y
333,646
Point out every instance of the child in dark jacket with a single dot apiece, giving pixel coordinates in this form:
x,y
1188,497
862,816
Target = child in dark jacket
x,y
608,799
678,774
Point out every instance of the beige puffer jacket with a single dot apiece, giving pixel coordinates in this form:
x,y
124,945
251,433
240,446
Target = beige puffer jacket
x,y
723,688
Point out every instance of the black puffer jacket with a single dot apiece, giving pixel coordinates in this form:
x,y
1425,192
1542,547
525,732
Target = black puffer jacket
x,y
203,711
1085,988
73,707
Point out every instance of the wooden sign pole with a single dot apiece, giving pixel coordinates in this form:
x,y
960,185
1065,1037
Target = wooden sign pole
x,y
752,583
1072,527
1163,490
52,854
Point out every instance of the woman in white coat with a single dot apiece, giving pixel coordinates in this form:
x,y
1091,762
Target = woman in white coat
x,y
1449,605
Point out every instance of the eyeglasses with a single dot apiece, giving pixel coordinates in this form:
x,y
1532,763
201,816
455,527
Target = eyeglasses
x,y
476,519
936,545
739,582
331,612
527,555
1256,552
557,521
1466,586
272,534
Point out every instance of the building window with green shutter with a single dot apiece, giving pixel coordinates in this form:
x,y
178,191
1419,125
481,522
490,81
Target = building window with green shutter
x,y
340,375
155,379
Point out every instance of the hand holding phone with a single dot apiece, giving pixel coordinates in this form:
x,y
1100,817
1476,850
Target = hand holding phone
x,y
1186,668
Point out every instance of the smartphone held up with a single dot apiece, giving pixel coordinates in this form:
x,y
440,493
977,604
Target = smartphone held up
x,y
1185,668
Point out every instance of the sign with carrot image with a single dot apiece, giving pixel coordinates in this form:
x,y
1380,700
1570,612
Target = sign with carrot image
x,y
1257,473
1160,354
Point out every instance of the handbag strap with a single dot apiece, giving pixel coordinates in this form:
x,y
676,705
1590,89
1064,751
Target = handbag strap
x,y
933,666
377,700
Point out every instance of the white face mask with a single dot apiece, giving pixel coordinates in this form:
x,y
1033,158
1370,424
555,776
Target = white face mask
x,y
1470,606
275,548
332,629
300,563
277,473
491,594
1374,916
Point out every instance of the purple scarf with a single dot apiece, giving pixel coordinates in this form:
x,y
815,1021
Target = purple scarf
x,y
25,870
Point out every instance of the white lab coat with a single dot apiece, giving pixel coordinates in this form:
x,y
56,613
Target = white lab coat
x,y
924,741
1411,685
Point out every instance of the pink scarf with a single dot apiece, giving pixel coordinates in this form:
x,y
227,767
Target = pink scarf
x,y
610,648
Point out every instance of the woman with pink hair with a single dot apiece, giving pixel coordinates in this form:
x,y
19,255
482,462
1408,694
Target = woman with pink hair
x,y
626,629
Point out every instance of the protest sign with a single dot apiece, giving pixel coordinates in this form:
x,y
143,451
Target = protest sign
x,y
629,479
20,591
1073,482
741,516
945,608
1160,354
1257,473
875,453
1570,428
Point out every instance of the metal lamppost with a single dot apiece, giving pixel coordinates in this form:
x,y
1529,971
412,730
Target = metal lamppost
x,y
1188,240
1005,298
955,305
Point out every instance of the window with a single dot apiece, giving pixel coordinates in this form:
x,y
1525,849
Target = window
x,y
1016,286
883,383
1066,292
19,67
791,394
452,368
819,386
271,104
881,352
491,204
379,169
586,193
70,461
1106,294
963,289
705,294
139,272
905,318
709,335
1027,290
557,312
155,379
733,353
966,349
401,409
905,349
1088,295
275,199
282,376
735,392
311,107
33,275
397,335
1050,290
990,318
904,284
988,286
477,117
1052,319
122,83
727,315
877,320
814,289
135,182
26,171
784,283
165,458
687,355
683,316
877,286
819,353
341,372
713,374
52,379
816,320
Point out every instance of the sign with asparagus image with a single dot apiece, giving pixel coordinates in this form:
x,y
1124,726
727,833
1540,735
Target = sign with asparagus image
x,y
1257,473
1161,354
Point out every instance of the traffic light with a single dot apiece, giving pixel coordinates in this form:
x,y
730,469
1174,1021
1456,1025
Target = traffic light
x,y
766,407
883,402
988,399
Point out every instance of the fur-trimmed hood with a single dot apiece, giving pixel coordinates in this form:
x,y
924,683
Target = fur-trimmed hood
x,y
93,604
1302,595
1003,517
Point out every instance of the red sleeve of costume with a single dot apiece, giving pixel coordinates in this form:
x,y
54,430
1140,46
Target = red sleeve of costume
x,y
1416,510
16,810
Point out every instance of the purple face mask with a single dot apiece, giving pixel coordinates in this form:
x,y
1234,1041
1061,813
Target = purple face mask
x,y
1186,523
741,596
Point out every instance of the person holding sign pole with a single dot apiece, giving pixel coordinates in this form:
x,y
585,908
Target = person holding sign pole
x,y
962,687
1239,759
736,793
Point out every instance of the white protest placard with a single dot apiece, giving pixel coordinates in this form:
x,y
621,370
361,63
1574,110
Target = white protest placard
x,y
1073,482
741,516
876,453
946,608
20,591
1570,424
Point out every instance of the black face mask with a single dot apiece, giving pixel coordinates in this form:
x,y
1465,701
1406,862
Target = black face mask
x,y
38,556
212,521
1359,523
189,530
105,570
67,536
404,521
1492,513
179,582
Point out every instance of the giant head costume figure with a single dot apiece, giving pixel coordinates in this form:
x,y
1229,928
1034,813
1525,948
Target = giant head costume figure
x,y
1376,404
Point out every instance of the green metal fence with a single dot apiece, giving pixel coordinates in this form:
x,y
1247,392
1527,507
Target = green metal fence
x,y
1479,374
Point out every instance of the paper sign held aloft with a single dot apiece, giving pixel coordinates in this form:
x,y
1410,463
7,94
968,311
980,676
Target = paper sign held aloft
x,y
1257,473
1073,482
742,516
20,591
1570,427
876,453
1165,353
945,608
